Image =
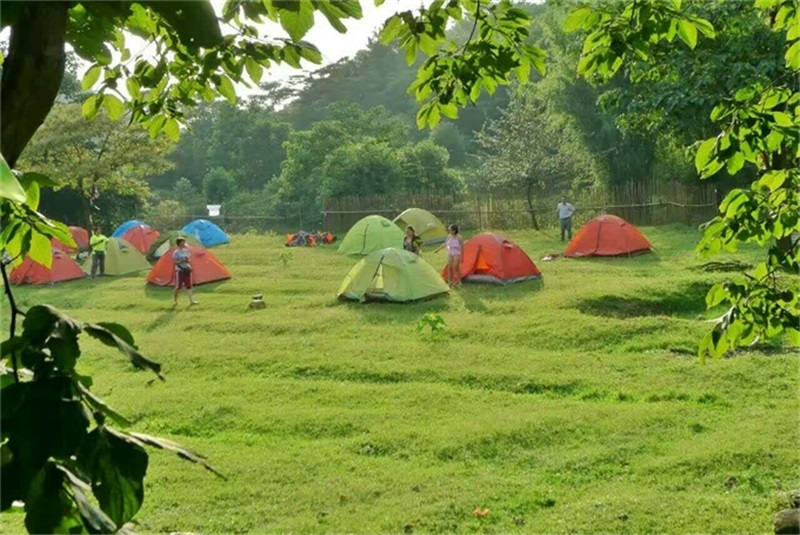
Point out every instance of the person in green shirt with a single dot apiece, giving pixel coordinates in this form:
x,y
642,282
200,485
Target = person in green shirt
x,y
98,245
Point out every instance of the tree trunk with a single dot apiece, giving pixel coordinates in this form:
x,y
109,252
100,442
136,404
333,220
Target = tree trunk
x,y
32,73
529,196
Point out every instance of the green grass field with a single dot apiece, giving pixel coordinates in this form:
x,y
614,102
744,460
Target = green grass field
x,y
574,406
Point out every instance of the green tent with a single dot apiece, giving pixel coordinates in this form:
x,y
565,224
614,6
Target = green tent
x,y
426,225
392,275
371,233
122,258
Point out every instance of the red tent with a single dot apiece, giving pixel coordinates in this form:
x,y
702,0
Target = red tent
x,y
205,268
494,258
141,237
607,235
81,237
63,268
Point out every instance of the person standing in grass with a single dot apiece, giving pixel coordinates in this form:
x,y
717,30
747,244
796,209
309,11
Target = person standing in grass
x,y
565,211
183,271
412,243
98,245
455,248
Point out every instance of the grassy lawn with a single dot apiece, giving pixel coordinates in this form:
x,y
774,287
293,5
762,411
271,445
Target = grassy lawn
x,y
573,406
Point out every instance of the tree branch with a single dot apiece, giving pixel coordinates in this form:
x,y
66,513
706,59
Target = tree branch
x,y
32,73
14,312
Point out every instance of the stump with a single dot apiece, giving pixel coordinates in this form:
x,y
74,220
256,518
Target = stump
x,y
787,522
257,302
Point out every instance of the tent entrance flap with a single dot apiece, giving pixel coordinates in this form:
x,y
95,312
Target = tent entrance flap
x,y
377,288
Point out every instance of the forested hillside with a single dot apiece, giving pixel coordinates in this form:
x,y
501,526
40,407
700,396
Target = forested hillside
x,y
349,130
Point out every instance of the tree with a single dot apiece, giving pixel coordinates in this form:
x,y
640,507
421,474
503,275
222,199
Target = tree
x,y
367,167
757,126
218,186
95,158
533,149
52,453
425,168
451,138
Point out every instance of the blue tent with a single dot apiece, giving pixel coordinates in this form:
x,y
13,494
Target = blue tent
x,y
125,227
206,232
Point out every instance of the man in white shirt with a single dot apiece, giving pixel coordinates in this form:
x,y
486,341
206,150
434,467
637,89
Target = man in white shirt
x,y
565,211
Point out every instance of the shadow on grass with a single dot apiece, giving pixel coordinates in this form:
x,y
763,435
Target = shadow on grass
x,y
161,320
687,301
164,293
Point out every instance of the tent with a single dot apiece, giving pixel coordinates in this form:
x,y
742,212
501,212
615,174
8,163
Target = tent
x,y
607,235
392,275
63,268
81,237
426,225
493,258
125,227
205,268
166,240
122,258
206,232
370,234
141,237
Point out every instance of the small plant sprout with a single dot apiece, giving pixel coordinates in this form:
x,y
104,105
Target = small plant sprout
x,y
434,321
285,257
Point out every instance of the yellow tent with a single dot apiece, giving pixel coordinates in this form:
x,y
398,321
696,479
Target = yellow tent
x,y
426,225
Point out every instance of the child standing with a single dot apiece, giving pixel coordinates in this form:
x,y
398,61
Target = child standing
x,y
455,248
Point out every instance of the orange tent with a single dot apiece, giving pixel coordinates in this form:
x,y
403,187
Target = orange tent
x,y
81,237
141,237
493,258
63,268
205,268
607,235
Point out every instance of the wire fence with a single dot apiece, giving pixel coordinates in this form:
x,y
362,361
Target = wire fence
x,y
639,203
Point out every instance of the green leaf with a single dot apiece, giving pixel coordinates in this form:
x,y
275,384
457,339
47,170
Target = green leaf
x,y
40,250
10,188
576,19
793,56
296,16
746,93
772,180
309,52
119,331
784,119
39,323
254,70
703,157
92,105
735,163
196,23
134,90
109,338
172,129
705,28
91,77
687,31
156,125
31,186
116,466
226,89
93,517
97,404
114,106
48,508
392,28
716,295
182,451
